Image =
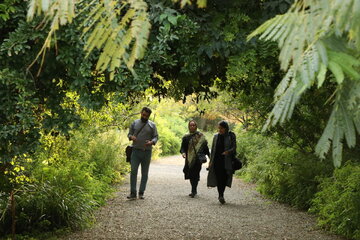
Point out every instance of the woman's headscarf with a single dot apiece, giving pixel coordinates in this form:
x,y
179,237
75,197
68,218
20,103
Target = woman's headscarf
x,y
195,144
224,124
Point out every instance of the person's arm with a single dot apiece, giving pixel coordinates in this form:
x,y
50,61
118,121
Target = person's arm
x,y
233,143
182,147
155,135
232,148
206,149
212,149
131,131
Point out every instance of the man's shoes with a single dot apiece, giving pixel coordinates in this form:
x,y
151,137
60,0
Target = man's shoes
x,y
141,196
192,195
222,200
131,197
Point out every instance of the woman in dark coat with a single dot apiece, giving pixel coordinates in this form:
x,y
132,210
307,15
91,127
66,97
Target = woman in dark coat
x,y
193,148
223,151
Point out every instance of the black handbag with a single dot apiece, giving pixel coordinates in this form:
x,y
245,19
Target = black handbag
x,y
128,152
236,163
128,149
201,157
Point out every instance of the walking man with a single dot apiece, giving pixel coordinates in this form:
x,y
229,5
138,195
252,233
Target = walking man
x,y
144,135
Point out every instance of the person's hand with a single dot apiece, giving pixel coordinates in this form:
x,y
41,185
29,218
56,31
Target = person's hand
x,y
133,138
148,143
183,155
209,166
225,153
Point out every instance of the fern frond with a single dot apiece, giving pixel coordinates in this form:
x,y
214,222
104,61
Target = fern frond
x,y
283,85
324,143
120,34
314,37
337,71
119,41
341,124
59,12
337,147
285,104
346,62
348,126
321,75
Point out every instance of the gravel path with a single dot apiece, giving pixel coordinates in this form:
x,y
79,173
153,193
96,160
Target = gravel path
x,y
168,213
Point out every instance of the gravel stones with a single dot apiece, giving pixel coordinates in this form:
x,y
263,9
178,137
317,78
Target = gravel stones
x,y
167,212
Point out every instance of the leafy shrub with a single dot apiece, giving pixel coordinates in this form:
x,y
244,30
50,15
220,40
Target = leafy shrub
x,y
337,204
69,179
103,153
283,174
171,129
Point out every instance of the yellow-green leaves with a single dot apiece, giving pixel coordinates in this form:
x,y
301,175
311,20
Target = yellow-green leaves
x,y
120,34
200,3
62,10
342,64
57,12
119,29
321,75
314,37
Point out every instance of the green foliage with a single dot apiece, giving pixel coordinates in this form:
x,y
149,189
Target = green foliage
x,y
19,128
169,141
119,29
7,8
251,79
281,173
119,41
337,203
315,37
170,124
251,82
68,180
171,129
32,103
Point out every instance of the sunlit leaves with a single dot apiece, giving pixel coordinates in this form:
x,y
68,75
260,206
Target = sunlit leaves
x,y
121,42
119,29
316,37
200,3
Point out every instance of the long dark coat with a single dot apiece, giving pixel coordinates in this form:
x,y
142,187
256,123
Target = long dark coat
x,y
230,146
194,171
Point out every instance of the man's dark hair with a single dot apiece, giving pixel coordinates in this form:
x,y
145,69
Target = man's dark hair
x,y
146,109
224,124
193,122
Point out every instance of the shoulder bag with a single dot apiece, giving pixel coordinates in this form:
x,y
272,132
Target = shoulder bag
x,y
128,149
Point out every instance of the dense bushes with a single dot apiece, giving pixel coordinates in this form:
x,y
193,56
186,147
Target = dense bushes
x,y
67,180
171,127
281,173
337,204
302,180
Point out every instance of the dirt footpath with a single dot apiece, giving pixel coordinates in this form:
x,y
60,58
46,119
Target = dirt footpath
x,y
169,213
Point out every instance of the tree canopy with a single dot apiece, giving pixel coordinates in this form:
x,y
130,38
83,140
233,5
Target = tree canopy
x,y
317,38
91,48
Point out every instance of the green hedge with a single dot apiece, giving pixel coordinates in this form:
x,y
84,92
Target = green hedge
x,y
171,128
337,204
304,181
281,173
